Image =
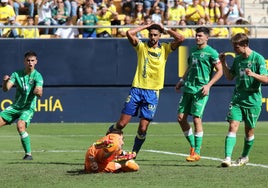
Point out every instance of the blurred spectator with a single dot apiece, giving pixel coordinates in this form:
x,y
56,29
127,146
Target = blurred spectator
x,y
122,32
202,21
156,15
220,32
6,11
60,12
184,30
194,12
186,3
235,30
45,14
112,8
67,33
105,17
99,2
17,4
148,4
30,33
212,12
81,7
12,32
145,33
129,6
232,12
138,14
110,5
88,19
204,3
71,6
175,13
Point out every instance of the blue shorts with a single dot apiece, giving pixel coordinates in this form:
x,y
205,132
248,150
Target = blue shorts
x,y
144,100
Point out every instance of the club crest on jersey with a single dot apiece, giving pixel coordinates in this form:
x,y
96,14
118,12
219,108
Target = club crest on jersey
x,y
249,65
154,55
31,81
202,55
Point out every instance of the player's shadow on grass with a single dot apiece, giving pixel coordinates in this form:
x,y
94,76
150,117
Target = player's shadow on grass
x,y
46,163
77,172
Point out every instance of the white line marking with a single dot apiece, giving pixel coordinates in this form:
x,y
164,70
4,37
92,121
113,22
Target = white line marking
x,y
152,151
202,157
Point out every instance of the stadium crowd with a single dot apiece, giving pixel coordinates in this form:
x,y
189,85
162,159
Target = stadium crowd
x,y
176,14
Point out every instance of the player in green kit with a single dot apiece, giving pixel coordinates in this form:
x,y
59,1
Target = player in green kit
x,y
196,83
249,70
29,86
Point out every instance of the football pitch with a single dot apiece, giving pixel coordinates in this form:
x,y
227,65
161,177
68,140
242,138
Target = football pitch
x,y
59,149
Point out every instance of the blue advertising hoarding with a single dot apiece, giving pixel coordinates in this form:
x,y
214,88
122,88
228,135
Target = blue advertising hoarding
x,y
88,80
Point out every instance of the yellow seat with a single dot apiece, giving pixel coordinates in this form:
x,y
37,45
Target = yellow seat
x,y
47,36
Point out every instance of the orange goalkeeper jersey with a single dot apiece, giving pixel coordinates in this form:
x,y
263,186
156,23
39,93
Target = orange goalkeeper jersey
x,y
104,156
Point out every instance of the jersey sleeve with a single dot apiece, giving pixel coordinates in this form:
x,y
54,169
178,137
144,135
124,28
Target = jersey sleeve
x,y
13,77
263,67
39,80
215,57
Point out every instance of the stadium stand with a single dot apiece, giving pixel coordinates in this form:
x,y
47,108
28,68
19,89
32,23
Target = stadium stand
x,y
255,12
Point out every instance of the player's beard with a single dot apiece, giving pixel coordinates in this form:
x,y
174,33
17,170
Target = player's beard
x,y
152,42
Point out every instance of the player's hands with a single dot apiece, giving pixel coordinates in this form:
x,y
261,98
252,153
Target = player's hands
x,y
6,78
179,85
93,164
125,156
222,57
249,72
103,144
205,90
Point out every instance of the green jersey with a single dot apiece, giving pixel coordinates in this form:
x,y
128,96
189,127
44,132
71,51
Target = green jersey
x,y
25,84
247,91
90,20
200,68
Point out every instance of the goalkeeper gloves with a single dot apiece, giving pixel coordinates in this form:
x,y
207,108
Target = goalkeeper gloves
x,y
125,156
103,144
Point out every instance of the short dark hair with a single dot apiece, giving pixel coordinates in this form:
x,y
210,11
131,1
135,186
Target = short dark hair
x,y
156,27
30,53
241,39
205,30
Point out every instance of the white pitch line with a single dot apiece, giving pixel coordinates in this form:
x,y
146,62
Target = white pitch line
x,y
203,157
152,151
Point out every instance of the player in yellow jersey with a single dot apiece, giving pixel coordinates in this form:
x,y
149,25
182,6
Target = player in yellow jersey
x,y
149,78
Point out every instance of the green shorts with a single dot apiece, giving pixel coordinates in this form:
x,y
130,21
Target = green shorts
x,y
249,115
193,104
10,114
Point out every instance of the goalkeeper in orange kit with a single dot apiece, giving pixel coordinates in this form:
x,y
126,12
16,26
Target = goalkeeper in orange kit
x,y
106,155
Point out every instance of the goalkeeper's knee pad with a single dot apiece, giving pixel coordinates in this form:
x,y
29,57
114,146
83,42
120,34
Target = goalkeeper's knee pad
x,y
130,166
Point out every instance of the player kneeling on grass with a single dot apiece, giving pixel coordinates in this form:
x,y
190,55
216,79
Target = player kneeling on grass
x,y
106,155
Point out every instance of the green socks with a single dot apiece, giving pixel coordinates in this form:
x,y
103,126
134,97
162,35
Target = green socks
x,y
26,142
248,143
194,140
230,142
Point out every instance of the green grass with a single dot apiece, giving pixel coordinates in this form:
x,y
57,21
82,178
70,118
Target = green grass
x,y
58,151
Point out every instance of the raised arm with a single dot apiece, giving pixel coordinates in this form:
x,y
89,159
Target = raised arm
x,y
226,70
6,84
132,34
178,38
